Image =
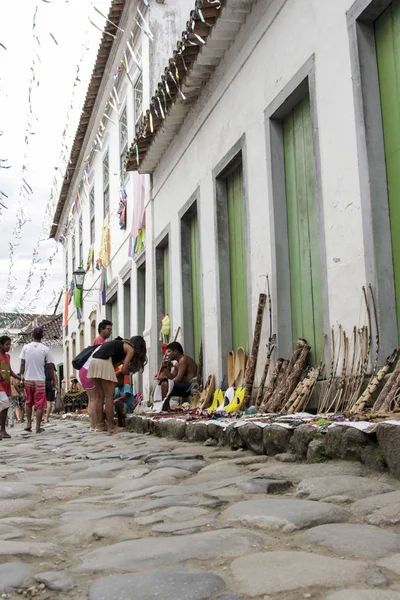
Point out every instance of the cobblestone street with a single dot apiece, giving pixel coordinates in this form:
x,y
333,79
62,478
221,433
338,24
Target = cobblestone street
x,y
86,515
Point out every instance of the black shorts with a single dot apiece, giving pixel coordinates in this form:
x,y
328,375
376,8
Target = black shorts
x,y
181,389
50,395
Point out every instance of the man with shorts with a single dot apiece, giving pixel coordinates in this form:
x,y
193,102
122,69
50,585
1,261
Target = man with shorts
x,y
33,358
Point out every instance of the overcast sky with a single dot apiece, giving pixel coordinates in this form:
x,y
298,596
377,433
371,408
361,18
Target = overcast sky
x,y
48,53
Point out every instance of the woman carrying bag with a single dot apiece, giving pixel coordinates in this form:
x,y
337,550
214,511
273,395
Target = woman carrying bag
x,y
132,354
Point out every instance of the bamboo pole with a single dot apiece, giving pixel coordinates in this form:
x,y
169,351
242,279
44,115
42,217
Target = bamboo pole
x,y
293,373
375,367
307,387
199,375
252,362
381,401
375,383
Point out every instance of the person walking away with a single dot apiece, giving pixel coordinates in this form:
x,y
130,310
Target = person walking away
x,y
6,373
33,358
132,354
51,388
123,399
105,331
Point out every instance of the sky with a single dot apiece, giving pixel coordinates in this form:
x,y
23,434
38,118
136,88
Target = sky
x,y
47,53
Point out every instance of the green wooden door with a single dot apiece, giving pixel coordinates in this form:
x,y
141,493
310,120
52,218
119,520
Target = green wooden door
x,y
387,35
305,276
195,280
166,279
237,259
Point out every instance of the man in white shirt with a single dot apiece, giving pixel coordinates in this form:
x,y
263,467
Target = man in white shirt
x,y
33,358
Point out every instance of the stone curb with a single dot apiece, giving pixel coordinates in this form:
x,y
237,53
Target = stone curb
x,y
379,451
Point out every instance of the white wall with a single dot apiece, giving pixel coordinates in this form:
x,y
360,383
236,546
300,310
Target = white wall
x,y
166,22
276,41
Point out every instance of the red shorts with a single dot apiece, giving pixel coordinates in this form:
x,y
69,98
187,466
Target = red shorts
x,y
36,394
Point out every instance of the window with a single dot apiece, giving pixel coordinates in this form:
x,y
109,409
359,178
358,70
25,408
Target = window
x,y
123,138
92,216
73,253
66,269
80,242
138,97
106,184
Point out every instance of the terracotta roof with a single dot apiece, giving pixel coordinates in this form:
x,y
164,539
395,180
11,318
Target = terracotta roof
x,y
106,44
211,29
52,326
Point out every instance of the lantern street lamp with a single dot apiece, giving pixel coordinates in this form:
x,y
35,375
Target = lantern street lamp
x,y
79,278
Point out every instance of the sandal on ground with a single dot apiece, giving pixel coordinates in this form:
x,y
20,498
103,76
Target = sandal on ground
x,y
101,428
4,435
41,430
28,429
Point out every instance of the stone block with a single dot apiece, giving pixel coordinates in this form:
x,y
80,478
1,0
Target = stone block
x,y
346,443
172,429
389,443
300,440
316,451
252,436
233,438
276,439
196,432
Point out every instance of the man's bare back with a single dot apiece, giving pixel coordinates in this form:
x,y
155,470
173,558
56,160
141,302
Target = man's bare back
x,y
187,369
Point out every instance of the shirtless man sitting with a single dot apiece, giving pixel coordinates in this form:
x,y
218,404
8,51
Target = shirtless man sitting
x,y
183,375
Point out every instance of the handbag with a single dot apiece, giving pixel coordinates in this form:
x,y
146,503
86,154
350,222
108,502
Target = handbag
x,y
83,356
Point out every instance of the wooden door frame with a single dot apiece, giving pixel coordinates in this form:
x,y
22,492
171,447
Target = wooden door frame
x,y
186,213
301,85
160,243
235,156
372,168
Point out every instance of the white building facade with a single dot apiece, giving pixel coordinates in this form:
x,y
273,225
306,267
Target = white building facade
x,y
279,155
108,245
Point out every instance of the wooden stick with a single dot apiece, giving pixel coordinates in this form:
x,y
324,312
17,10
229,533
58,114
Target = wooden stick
x,y
284,391
252,362
307,388
375,367
199,375
381,401
264,376
375,383
273,382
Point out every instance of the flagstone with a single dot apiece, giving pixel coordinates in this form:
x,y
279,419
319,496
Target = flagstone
x,y
284,514
354,488
354,540
278,572
169,585
155,552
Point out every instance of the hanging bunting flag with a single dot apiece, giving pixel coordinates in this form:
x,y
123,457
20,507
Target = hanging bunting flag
x,y
108,20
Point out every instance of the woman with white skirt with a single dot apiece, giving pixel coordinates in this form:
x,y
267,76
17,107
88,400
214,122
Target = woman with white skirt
x,y
132,355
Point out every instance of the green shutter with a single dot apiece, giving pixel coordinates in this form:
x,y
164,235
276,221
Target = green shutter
x,y
195,277
305,276
237,259
166,279
387,35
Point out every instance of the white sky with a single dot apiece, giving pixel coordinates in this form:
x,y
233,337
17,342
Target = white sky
x,y
52,92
